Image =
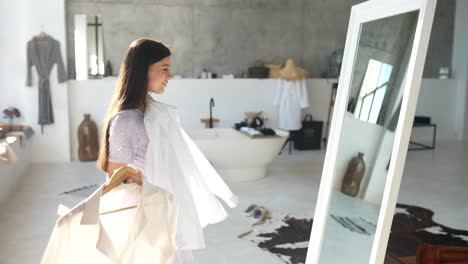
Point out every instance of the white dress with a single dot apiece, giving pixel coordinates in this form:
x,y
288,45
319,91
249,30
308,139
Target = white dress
x,y
291,97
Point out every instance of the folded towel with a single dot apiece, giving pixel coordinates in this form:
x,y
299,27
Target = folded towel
x,y
228,76
250,131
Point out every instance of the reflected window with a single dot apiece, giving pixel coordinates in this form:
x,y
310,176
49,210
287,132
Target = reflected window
x,y
373,89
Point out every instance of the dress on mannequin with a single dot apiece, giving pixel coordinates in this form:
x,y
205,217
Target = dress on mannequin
x,y
291,97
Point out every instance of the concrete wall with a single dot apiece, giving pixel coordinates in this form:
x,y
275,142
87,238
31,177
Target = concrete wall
x,y
20,21
30,17
227,36
357,136
439,52
439,99
460,62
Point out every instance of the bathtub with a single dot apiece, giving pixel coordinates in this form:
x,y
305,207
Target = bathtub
x,y
236,156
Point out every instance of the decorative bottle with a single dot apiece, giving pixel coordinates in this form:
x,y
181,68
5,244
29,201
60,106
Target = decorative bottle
x,y
88,149
353,176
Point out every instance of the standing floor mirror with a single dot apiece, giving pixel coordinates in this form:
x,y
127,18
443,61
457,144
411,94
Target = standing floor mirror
x,y
377,95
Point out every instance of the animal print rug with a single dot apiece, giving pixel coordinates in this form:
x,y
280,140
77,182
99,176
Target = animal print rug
x,y
287,237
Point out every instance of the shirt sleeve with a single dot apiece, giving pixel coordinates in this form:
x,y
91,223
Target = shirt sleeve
x,y
120,139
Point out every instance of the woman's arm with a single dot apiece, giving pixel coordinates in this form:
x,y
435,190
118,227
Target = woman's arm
x,y
121,145
112,166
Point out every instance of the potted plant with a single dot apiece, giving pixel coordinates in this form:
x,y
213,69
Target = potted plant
x,y
11,113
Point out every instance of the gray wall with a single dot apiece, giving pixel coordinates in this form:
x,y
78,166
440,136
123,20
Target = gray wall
x,y
387,40
460,63
439,53
227,36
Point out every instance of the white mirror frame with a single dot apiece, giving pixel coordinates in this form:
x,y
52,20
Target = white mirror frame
x,y
360,14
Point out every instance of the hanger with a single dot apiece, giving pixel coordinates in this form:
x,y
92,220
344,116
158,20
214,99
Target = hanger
x,y
119,175
41,37
42,34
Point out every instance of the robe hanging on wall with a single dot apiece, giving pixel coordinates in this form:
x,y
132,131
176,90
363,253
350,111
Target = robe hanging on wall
x,y
43,51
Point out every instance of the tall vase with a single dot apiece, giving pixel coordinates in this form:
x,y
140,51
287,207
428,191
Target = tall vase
x,y
88,149
353,176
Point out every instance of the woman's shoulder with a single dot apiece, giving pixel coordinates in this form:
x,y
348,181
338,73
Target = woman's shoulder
x,y
127,117
129,114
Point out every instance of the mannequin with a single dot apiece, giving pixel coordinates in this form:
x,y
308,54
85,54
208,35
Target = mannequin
x,y
291,72
291,97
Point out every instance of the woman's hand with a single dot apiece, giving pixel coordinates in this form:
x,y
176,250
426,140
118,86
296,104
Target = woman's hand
x,y
112,166
134,178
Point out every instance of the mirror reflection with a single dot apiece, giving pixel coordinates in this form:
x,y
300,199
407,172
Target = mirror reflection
x,y
374,86
367,138
89,48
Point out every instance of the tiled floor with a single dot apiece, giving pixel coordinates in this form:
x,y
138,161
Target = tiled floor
x,y
437,180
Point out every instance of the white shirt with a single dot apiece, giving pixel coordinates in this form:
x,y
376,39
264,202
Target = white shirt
x,y
177,165
141,235
291,97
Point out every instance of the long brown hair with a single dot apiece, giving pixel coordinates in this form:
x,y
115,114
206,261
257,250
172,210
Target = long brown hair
x,y
131,89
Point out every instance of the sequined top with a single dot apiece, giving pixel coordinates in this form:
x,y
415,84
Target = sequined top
x,y
128,139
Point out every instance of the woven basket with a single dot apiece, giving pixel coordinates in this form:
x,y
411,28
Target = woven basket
x,y
274,72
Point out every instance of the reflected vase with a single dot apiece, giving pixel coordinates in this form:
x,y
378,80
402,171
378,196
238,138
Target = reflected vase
x,y
88,149
353,176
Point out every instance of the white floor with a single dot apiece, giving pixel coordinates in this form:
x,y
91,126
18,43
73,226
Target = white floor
x,y
437,180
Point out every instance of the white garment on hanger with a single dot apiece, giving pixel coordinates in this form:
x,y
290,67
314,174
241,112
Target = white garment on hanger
x,y
176,164
134,236
291,97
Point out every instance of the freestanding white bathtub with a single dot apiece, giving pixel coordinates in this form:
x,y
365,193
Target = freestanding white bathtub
x,y
236,156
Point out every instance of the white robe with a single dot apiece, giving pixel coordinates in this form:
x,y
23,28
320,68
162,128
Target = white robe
x,y
174,163
291,97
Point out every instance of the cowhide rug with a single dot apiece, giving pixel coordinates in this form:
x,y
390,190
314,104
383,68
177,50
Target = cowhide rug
x,y
287,237
413,225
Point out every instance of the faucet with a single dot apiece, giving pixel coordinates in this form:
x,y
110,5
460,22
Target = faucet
x,y
212,104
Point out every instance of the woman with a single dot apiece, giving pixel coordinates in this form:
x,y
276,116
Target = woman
x,y
146,68
138,129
